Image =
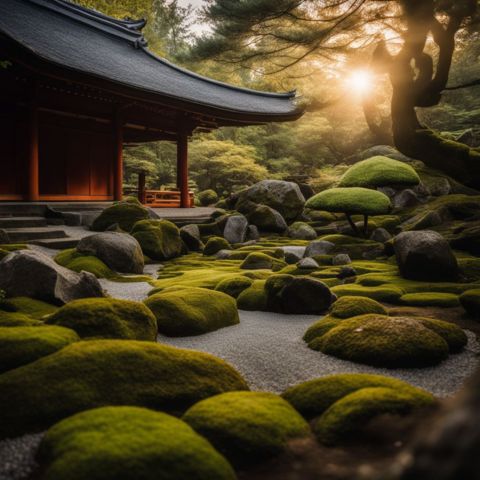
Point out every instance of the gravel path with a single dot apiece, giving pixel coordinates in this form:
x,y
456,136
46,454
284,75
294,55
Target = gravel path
x,y
17,456
267,348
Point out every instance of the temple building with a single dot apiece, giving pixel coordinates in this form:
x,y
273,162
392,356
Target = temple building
x,y
76,86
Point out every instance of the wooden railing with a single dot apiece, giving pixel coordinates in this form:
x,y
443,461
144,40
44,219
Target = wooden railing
x,y
159,198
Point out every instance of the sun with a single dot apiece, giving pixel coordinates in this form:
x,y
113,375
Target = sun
x,y
359,81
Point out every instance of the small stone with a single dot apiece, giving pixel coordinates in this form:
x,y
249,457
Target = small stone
x,y
252,233
406,198
301,231
347,272
293,254
307,264
190,234
388,191
341,259
236,228
223,254
319,247
380,235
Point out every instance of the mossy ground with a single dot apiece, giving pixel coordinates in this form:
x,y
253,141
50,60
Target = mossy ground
x,y
130,443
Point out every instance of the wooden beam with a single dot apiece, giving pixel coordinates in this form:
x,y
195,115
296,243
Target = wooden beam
x,y
33,193
118,160
182,169
141,187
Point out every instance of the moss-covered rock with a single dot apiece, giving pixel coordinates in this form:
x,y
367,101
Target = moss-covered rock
x,y
379,171
96,373
125,214
430,299
128,443
391,342
301,231
31,307
192,311
259,261
215,244
234,286
207,197
470,301
78,262
320,327
267,219
159,239
381,293
107,318
468,239
247,427
17,319
22,345
253,298
351,306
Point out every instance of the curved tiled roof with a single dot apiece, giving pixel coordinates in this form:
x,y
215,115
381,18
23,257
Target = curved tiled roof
x,y
86,41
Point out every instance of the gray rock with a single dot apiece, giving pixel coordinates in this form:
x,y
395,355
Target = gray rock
x,y
255,262
341,259
388,191
319,247
223,254
425,255
373,253
427,220
380,235
293,254
4,236
29,273
252,233
190,234
440,187
307,263
347,272
301,231
119,251
421,190
236,229
406,198
284,197
267,219
115,228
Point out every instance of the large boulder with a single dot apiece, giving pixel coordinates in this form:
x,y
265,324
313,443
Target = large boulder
x,y
267,219
190,234
285,197
125,214
425,255
27,273
159,239
319,247
119,251
236,229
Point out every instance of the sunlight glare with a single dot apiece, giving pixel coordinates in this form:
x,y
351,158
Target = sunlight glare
x,y
360,81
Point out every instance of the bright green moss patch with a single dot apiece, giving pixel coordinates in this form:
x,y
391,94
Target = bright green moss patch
x,y
192,311
253,298
320,327
383,293
470,301
22,345
262,261
125,214
107,318
16,319
247,427
379,172
159,239
12,247
215,244
350,306
128,443
234,286
430,299
95,373
35,309
451,333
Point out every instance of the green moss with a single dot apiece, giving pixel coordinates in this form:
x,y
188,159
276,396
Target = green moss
x,y
259,260
215,244
391,342
128,443
16,319
350,306
77,262
3,253
253,298
35,309
107,318
451,333
96,373
247,427
192,311
379,172
159,239
470,268
125,214
351,200
383,293
430,299
22,345
234,286
470,301
12,247
320,327
207,197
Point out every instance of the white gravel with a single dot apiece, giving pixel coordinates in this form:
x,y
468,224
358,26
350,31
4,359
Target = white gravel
x,y
17,456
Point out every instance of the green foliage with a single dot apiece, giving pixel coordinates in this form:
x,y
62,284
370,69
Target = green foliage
x,y
207,197
215,244
470,301
379,172
234,286
430,299
192,311
107,318
159,239
125,214
133,443
25,344
96,373
247,427
350,306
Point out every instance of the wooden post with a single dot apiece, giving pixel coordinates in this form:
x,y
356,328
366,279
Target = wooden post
x,y
118,165
141,187
33,193
182,169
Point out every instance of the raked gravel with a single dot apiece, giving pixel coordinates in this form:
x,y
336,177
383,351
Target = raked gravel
x,y
17,456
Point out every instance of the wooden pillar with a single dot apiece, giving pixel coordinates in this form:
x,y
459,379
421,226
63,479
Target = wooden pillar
x,y
33,193
118,161
141,187
182,169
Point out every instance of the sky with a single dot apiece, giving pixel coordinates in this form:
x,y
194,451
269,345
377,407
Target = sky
x,y
199,28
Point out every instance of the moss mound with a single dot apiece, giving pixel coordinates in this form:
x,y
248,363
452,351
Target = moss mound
x,y
22,345
207,197
35,309
253,298
215,244
234,286
430,299
470,301
391,342
129,443
350,306
379,172
351,200
262,261
247,427
381,293
159,239
125,214
107,318
97,373
320,327
77,262
192,311
16,319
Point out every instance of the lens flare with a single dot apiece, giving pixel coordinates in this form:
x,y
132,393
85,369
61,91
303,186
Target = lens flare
x,y
359,81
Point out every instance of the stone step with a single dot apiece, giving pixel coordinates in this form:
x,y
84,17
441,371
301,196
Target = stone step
x,y
22,222
57,243
20,235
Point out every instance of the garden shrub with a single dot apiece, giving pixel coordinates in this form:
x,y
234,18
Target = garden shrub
x,y
234,286
192,311
247,427
125,214
95,373
107,318
430,299
215,244
207,197
128,443
470,301
159,239
351,306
